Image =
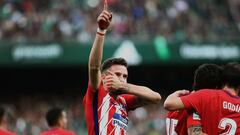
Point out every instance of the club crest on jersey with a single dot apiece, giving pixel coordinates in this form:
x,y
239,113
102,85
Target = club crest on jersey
x,y
119,120
196,116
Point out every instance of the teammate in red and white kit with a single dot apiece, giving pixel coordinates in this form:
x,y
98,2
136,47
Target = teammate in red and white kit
x,y
109,97
219,109
57,122
183,122
3,123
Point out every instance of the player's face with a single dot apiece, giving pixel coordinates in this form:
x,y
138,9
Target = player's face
x,y
120,71
63,120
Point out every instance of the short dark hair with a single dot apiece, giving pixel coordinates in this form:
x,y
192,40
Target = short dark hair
x,y
208,76
231,75
2,113
53,116
113,61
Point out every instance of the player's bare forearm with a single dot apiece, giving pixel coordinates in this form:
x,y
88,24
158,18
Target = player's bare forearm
x,y
173,101
95,59
195,130
144,94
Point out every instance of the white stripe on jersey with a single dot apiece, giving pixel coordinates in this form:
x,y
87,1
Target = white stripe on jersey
x,y
110,121
104,115
104,102
101,117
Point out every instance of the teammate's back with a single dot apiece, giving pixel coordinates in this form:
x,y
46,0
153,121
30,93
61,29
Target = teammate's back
x,y
222,114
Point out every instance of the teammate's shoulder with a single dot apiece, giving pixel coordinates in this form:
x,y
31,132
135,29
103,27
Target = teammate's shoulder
x,y
207,91
68,132
5,132
44,133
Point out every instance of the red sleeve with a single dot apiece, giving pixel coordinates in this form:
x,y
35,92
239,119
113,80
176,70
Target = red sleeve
x,y
72,133
130,101
89,94
193,120
172,115
181,126
194,100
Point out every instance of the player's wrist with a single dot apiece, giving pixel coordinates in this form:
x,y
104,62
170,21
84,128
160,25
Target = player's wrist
x,y
125,88
101,32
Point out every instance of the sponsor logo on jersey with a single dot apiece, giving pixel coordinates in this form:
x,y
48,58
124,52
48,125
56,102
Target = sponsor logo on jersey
x,y
119,120
196,116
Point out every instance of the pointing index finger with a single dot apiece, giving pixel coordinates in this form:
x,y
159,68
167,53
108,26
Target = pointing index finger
x,y
105,7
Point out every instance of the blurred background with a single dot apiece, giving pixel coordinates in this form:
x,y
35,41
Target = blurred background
x,y
45,44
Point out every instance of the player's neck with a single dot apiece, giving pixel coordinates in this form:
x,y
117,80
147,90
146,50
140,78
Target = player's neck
x,y
230,90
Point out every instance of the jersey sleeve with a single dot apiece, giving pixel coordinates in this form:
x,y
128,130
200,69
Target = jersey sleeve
x,y
193,120
194,100
90,87
72,133
88,97
130,101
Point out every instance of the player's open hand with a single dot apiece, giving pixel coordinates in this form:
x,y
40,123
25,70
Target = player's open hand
x,y
104,19
180,93
112,83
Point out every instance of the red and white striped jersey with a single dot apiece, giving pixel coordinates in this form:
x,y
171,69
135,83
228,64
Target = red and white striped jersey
x,y
177,122
106,115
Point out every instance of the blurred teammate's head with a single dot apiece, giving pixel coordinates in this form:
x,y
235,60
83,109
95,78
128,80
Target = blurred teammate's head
x,y
208,76
231,75
57,117
3,117
118,66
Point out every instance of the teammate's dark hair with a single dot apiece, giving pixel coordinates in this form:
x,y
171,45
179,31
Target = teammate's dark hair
x,y
2,113
231,75
208,76
53,116
113,61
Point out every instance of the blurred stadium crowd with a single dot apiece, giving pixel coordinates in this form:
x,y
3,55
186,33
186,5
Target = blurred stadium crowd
x,y
176,20
27,116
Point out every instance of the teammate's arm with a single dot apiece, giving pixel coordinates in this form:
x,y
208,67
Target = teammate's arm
x,y
194,124
173,101
95,57
195,130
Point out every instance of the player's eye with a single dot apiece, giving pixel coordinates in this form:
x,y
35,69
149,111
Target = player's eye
x,y
118,74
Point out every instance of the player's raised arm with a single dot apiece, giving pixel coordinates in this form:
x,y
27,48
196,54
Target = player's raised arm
x,y
95,58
